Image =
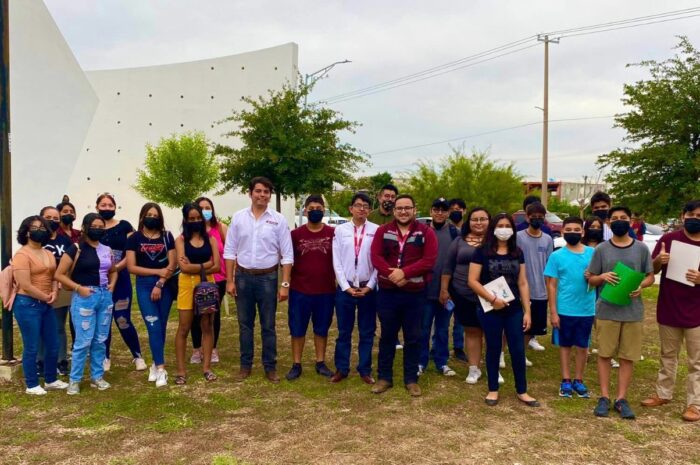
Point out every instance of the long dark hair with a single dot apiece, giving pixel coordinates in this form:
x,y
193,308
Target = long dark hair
x,y
87,222
490,244
466,228
23,230
214,221
185,212
147,206
587,227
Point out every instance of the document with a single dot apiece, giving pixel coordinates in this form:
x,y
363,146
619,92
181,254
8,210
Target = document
x,y
619,294
683,257
499,288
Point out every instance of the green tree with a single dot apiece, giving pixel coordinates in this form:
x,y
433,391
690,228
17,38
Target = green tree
x,y
662,170
177,170
474,178
339,199
563,207
295,145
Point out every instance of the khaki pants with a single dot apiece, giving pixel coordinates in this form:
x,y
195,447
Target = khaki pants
x,y
671,341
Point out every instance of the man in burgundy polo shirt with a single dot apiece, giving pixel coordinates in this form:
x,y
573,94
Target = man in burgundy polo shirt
x,y
403,252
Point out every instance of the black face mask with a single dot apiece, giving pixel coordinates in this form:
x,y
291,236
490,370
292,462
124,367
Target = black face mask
x,y
620,227
595,235
152,223
67,219
456,216
54,225
315,216
438,226
107,214
40,235
602,214
536,223
572,238
388,205
95,234
692,225
194,227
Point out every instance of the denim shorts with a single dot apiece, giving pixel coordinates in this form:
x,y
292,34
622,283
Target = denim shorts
x,y
575,331
310,307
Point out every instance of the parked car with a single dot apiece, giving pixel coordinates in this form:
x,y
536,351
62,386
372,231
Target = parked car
x,y
652,235
330,217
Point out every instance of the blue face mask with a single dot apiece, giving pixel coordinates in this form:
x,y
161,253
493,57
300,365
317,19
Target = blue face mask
x,y
315,216
207,214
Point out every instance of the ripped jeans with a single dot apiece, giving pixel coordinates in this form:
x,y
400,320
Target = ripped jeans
x,y
122,297
92,317
155,314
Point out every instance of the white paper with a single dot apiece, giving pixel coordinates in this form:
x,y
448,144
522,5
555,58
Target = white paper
x,y
499,288
683,257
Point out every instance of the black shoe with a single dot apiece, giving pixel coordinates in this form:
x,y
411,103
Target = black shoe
x,y
63,369
623,408
460,355
294,372
323,370
601,410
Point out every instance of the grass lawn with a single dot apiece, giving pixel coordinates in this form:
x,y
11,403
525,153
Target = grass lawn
x,y
312,421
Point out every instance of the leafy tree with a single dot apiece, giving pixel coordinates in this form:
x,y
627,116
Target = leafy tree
x,y
178,169
662,170
339,199
295,145
563,207
474,178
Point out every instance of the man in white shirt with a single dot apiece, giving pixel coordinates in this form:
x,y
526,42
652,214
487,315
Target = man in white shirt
x,y
258,241
356,279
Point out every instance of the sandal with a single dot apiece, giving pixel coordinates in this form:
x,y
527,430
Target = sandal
x,y
210,376
180,380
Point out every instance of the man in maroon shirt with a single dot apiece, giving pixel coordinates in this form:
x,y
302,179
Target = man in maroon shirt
x,y
403,252
312,287
678,315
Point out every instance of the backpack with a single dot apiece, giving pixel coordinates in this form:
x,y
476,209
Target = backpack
x,y
206,296
8,287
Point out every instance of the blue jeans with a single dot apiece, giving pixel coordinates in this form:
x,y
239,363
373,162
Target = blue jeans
x,y
434,311
366,325
122,315
92,317
61,314
257,294
457,334
399,310
37,323
155,314
494,324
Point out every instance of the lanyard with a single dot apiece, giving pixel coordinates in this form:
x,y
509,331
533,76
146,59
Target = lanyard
x,y
358,243
402,243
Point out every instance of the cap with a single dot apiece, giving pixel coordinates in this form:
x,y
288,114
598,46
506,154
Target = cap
x,y
441,203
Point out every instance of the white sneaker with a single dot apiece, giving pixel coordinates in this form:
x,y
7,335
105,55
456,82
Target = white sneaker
x,y
528,363
161,378
474,375
215,356
56,385
421,370
500,378
100,384
502,362
106,365
594,351
399,346
614,363
447,371
140,364
73,388
534,345
36,391
152,373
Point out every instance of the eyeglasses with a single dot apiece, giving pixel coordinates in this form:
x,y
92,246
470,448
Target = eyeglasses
x,y
403,209
361,206
479,220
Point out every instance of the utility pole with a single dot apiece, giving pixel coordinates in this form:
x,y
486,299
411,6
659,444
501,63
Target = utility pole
x,y
5,172
316,75
545,122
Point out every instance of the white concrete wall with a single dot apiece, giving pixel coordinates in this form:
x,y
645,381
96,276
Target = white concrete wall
x,y
84,133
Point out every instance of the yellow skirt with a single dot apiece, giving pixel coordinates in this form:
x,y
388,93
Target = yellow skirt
x,y
185,291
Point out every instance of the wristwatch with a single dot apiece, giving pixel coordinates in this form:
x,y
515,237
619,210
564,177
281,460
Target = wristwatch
x,y
284,284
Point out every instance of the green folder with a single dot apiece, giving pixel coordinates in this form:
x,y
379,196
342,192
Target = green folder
x,y
630,280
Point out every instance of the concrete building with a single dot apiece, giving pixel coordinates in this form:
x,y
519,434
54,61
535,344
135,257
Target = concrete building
x,y
82,133
567,191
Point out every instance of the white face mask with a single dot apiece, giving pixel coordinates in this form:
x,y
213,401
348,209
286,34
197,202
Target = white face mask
x,y
503,233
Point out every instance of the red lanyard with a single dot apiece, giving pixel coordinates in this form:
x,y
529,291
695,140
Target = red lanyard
x,y
358,243
402,243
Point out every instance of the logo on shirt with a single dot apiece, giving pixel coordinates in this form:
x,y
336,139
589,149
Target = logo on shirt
x,y
152,250
321,245
271,222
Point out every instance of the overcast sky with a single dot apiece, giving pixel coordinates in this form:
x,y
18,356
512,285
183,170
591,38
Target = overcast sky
x,y
389,39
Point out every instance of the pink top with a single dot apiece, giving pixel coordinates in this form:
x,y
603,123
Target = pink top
x,y
216,234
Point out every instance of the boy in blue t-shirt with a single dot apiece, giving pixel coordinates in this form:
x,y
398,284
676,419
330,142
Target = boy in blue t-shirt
x,y
571,304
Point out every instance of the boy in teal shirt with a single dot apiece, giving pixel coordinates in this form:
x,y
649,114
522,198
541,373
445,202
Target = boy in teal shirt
x,y
571,304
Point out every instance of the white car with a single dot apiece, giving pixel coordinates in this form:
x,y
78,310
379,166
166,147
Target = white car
x,y
330,218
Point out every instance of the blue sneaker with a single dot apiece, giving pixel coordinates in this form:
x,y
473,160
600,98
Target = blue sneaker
x,y
565,389
623,408
601,410
580,389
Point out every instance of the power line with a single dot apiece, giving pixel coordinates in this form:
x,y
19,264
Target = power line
x,y
626,21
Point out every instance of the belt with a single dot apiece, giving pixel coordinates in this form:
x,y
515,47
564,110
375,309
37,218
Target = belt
x,y
256,271
361,284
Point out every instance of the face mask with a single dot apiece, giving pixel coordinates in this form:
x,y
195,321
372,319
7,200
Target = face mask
x,y
620,227
595,235
54,225
151,223
67,219
438,226
95,234
207,214
692,225
107,214
572,238
602,214
315,216
456,216
40,235
388,205
536,223
503,234
194,227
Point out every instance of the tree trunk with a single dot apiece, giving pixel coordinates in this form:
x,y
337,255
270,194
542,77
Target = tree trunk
x,y
278,196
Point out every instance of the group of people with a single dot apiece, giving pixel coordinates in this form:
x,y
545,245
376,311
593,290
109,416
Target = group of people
x,y
500,282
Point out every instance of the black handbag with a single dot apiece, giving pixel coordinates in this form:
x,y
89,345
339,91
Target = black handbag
x,y
206,296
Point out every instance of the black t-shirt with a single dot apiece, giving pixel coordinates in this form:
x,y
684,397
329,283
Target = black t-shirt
x,y
494,266
151,253
115,238
198,255
58,246
92,266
